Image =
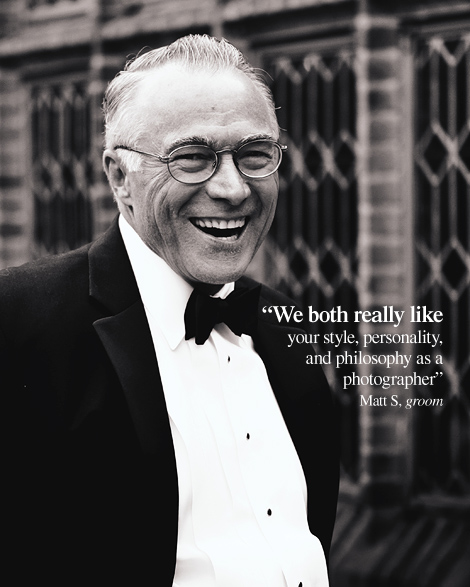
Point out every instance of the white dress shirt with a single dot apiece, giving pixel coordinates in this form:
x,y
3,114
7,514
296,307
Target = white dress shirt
x,y
242,491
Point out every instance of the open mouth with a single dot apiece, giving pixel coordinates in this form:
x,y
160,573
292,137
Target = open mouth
x,y
228,229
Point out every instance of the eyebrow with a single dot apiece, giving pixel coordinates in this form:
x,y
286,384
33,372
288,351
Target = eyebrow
x,y
183,142
255,137
201,140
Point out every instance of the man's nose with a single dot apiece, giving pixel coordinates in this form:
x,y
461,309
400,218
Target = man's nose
x,y
227,182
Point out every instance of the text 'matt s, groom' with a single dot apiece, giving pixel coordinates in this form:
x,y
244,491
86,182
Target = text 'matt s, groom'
x,y
159,430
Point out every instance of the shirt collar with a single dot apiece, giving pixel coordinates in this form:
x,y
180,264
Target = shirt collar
x,y
164,293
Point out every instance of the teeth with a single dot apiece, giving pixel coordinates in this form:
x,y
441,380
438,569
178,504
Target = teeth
x,y
219,223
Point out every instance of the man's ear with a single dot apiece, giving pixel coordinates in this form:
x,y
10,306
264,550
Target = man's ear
x,y
117,178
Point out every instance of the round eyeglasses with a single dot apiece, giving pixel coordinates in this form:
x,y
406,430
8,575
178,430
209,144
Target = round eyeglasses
x,y
198,163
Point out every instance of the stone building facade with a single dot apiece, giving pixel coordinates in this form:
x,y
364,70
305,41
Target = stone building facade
x,y
374,212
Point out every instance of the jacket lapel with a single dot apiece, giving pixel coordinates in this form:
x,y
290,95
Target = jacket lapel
x,y
129,346
125,335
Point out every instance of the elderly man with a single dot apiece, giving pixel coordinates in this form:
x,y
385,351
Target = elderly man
x,y
159,430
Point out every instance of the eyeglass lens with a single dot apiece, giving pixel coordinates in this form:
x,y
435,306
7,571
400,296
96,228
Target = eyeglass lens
x,y
196,163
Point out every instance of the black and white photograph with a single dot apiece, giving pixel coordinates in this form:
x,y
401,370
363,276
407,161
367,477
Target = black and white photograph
x,y
235,292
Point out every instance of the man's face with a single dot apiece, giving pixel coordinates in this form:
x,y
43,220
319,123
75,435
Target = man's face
x,y
177,220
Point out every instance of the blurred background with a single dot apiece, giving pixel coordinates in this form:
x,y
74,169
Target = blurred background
x,y
374,210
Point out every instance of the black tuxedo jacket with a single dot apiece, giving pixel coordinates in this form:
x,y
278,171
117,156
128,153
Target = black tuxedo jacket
x,y
87,459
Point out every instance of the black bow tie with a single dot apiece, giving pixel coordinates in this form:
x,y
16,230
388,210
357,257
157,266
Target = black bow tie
x,y
239,311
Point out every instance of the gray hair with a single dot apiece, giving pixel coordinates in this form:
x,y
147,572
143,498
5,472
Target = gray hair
x,y
122,125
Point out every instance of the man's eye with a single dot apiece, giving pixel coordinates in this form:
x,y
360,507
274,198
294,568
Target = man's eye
x,y
191,157
255,159
191,160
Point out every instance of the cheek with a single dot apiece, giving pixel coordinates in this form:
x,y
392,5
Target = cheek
x,y
163,220
154,204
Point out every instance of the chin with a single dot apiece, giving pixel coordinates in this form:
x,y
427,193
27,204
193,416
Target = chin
x,y
217,279
212,277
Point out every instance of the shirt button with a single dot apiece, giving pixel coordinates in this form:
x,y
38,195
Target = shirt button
x,y
248,436
228,359
269,512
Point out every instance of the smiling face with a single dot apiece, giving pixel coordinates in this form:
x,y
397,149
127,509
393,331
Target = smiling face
x,y
206,232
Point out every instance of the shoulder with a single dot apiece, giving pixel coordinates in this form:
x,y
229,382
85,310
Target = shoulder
x,y
275,306
268,294
49,286
40,275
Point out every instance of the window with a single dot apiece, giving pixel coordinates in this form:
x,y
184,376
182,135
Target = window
x,y
61,168
442,168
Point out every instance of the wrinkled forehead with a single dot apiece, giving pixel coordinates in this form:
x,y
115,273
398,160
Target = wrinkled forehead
x,y
175,95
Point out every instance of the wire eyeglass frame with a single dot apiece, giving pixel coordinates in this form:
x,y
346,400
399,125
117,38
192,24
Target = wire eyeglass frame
x,y
168,159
